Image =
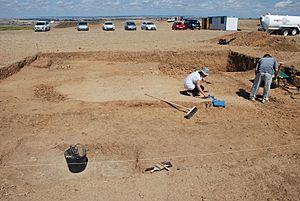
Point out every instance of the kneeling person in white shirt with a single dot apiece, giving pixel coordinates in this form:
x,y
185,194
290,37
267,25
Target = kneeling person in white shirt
x,y
193,82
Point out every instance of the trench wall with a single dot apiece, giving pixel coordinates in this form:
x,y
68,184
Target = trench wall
x,y
172,63
239,62
16,67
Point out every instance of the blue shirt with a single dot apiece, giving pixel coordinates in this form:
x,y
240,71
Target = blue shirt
x,y
266,65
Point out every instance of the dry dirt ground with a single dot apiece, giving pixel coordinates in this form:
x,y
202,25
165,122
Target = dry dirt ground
x,y
89,88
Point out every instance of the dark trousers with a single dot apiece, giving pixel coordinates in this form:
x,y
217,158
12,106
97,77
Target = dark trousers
x,y
195,91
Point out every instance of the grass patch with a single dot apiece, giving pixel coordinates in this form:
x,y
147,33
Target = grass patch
x,y
8,28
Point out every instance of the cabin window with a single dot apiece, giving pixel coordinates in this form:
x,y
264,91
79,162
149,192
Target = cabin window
x,y
210,20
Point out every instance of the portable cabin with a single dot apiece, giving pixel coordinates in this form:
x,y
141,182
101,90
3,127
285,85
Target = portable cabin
x,y
220,23
204,24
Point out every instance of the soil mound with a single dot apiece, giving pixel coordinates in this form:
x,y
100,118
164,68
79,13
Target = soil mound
x,y
261,39
48,93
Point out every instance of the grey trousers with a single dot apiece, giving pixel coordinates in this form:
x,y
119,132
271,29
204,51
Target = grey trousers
x,y
267,78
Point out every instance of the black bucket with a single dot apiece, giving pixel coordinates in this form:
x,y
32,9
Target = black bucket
x,y
76,158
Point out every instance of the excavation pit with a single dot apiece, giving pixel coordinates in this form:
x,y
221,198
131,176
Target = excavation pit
x,y
169,62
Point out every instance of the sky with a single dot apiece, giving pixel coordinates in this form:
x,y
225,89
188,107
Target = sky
x,y
202,8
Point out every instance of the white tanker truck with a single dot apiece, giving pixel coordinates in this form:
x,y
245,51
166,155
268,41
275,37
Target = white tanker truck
x,y
280,24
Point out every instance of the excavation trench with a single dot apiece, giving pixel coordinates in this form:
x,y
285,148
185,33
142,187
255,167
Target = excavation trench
x,y
171,63
16,67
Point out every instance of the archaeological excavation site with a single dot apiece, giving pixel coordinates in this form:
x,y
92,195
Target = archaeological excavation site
x,y
71,100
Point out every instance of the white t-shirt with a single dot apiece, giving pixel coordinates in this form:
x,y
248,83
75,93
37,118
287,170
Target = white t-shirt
x,y
191,80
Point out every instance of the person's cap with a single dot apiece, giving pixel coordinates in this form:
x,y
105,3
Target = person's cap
x,y
205,70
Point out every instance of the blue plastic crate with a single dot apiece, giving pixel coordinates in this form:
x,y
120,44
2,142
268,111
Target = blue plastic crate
x,y
218,103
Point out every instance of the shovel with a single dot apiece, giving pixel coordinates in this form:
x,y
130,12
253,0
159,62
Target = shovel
x,y
189,111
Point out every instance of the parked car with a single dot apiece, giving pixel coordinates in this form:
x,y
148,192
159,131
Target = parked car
x,y
82,26
130,26
42,26
178,26
148,26
192,24
108,26
172,19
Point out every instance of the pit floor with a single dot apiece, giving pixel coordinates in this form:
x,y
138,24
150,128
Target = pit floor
x,y
246,151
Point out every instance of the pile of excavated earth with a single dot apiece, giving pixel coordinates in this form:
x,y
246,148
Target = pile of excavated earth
x,y
261,39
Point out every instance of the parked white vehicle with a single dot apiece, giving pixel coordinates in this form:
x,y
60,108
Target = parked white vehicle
x,y
108,25
280,24
172,19
42,26
82,26
148,26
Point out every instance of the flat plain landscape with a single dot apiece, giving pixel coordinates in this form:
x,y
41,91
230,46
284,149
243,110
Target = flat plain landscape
x,y
64,87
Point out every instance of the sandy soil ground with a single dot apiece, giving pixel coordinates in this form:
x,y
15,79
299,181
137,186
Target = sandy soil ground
x,y
89,88
19,44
